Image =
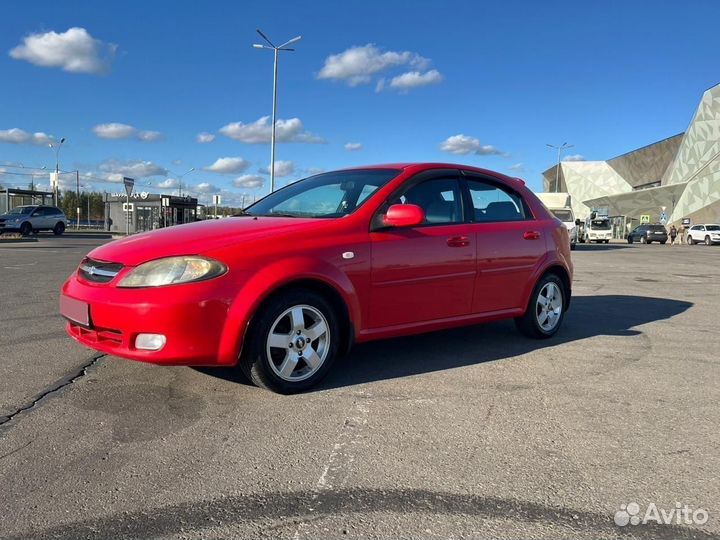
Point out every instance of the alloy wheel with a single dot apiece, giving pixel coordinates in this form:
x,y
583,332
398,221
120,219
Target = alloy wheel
x,y
548,306
298,343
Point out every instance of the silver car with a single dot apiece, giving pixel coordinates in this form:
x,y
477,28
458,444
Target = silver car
x,y
33,218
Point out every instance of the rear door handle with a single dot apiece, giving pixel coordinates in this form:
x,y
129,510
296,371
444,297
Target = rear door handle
x,y
531,235
458,241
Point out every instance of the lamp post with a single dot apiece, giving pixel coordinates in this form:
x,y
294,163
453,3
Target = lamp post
x,y
180,178
276,51
563,146
56,147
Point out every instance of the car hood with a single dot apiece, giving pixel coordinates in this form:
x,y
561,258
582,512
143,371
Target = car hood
x,y
197,238
11,216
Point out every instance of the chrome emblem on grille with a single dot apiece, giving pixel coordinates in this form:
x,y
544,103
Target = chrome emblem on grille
x,y
91,271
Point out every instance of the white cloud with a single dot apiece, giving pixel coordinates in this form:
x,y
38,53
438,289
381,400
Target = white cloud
x,y
205,187
149,136
116,169
517,167
228,165
259,132
282,168
574,157
315,170
114,130
357,65
204,137
415,79
463,145
19,136
169,183
249,181
117,130
353,146
75,51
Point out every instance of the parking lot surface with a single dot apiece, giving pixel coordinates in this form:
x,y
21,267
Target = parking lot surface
x,y
470,433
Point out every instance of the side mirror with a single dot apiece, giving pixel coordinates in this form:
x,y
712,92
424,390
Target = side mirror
x,y
578,222
404,215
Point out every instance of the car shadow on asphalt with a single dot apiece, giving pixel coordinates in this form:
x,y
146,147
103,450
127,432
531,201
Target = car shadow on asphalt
x,y
601,247
589,316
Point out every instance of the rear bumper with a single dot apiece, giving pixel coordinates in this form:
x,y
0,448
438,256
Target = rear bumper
x,y
192,317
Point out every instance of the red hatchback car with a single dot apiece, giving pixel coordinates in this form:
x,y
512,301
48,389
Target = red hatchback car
x,y
338,258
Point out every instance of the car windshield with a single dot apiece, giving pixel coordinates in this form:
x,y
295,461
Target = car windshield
x,y
327,195
600,224
22,210
712,227
563,215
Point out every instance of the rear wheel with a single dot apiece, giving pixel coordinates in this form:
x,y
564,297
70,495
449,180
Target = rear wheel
x,y
545,310
663,241
292,342
59,228
708,242
26,229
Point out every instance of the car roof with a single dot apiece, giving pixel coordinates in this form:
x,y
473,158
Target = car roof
x,y
428,165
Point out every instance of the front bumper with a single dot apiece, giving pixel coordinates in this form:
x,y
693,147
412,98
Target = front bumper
x,y
191,316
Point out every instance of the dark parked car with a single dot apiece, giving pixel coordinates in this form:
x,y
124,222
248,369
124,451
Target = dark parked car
x,y
647,234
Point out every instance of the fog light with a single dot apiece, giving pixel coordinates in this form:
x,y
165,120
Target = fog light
x,y
150,342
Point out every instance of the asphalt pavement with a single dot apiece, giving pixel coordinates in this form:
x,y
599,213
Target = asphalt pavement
x,y
469,433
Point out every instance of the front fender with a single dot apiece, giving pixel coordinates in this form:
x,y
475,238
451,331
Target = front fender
x,y
260,284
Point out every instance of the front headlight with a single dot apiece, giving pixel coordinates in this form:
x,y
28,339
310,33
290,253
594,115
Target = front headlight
x,y
171,271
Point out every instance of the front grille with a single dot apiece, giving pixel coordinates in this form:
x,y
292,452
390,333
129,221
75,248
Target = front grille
x,y
98,271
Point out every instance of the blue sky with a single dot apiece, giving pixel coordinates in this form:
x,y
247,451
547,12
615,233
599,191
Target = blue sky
x,y
509,76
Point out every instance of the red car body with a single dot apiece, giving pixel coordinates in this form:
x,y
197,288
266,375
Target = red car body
x,y
385,283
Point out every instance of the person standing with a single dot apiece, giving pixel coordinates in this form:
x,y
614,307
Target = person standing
x,y
673,234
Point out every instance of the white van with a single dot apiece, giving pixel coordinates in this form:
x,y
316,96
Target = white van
x,y
559,206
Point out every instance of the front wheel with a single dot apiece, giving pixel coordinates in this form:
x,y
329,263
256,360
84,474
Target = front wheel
x,y
643,240
545,310
708,242
26,229
690,240
292,343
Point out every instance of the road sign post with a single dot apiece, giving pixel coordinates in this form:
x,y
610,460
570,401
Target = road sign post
x,y
216,201
129,184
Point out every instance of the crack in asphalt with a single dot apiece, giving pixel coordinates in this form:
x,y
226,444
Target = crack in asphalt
x,y
55,387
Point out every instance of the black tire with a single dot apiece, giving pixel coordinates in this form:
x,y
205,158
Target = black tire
x,y
690,241
708,242
663,242
572,246
59,228
607,241
630,239
255,362
26,229
528,324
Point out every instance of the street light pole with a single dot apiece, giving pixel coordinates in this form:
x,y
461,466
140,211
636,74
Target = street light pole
x,y
276,50
563,146
57,167
180,178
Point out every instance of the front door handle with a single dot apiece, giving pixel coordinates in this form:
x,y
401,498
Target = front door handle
x,y
531,235
458,241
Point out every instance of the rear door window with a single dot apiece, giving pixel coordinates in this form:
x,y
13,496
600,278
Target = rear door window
x,y
492,203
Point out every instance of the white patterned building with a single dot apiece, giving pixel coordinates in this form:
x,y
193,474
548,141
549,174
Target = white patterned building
x,y
681,173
